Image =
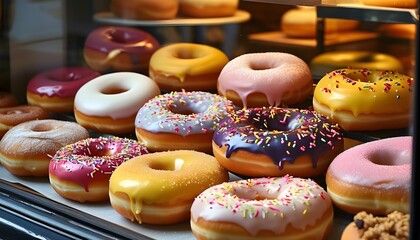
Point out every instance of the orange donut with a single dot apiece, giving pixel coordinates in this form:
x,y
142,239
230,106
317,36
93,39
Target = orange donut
x,y
208,8
12,116
159,188
145,9
26,149
7,100
275,141
80,171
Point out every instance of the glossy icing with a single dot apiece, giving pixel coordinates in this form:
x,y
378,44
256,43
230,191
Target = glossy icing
x,y
132,90
384,164
88,159
280,133
263,204
182,59
63,82
272,74
183,113
363,91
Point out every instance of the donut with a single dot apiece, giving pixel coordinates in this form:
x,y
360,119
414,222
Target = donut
x,y
115,48
181,120
12,116
365,100
26,149
366,226
159,188
373,177
301,22
109,103
405,31
264,208
391,3
145,9
265,79
54,90
80,171
187,66
330,61
274,141
208,8
7,100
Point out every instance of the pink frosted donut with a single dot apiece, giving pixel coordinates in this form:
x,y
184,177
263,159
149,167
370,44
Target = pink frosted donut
x,y
373,177
54,90
265,79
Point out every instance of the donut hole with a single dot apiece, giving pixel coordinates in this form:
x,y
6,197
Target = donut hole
x,y
385,157
358,76
113,90
258,66
120,36
186,54
251,195
167,166
43,127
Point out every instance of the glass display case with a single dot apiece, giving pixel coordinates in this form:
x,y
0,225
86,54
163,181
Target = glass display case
x,y
53,35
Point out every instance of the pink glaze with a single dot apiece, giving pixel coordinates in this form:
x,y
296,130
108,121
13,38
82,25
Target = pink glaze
x,y
383,163
272,74
93,158
63,82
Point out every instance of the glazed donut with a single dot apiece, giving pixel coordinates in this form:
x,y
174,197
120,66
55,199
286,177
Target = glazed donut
x,y
26,149
365,100
264,208
369,227
354,188
275,141
187,66
12,116
54,90
7,100
301,22
265,79
181,120
330,61
114,48
109,103
80,171
159,188
208,8
391,3
145,9
399,30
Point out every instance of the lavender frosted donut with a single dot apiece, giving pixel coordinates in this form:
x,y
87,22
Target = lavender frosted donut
x,y
276,141
181,120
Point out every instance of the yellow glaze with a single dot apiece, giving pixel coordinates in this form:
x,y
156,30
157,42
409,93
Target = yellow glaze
x,y
182,59
363,91
166,177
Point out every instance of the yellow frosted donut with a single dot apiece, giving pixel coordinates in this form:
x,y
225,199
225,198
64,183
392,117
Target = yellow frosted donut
x,y
159,188
187,66
365,100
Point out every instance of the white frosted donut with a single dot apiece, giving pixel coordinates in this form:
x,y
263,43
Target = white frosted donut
x,y
263,208
262,79
109,103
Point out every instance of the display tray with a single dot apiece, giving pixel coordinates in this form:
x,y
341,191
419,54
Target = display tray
x,y
110,18
278,37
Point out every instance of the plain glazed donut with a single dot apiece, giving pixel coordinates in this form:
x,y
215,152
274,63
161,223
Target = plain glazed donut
x,y
54,90
7,100
302,23
391,3
265,79
159,188
187,66
12,116
275,141
366,226
80,171
109,103
208,8
26,149
181,120
373,177
330,61
264,208
145,9
119,49
365,100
